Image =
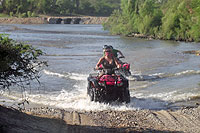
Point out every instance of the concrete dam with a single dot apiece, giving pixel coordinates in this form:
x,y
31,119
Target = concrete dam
x,y
76,20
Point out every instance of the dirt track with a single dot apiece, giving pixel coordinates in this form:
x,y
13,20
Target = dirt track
x,y
46,119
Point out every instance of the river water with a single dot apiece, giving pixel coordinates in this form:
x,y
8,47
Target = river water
x,y
163,76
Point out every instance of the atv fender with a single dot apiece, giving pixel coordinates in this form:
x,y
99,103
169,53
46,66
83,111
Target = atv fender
x,y
94,82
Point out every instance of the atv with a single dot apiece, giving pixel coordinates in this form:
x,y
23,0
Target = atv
x,y
109,87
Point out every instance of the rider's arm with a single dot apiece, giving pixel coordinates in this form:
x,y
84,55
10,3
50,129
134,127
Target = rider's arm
x,y
121,53
117,63
99,63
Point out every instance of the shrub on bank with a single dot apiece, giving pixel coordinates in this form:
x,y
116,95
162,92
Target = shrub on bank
x,y
19,63
24,15
33,14
3,15
29,14
11,14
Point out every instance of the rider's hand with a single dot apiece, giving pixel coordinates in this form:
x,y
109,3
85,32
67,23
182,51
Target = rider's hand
x,y
96,67
119,66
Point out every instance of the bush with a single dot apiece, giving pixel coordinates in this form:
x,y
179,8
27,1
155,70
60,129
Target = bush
x,y
3,15
29,14
19,63
33,14
11,14
24,15
19,15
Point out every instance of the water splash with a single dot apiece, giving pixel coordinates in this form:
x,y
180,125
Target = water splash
x,y
141,77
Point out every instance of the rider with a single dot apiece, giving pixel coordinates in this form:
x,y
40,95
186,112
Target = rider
x,y
123,66
108,61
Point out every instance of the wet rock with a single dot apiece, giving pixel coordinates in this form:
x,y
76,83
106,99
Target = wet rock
x,y
196,52
77,20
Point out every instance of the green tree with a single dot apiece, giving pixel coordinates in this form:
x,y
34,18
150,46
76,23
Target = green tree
x,y
8,6
86,8
166,19
149,17
61,7
65,6
141,16
177,21
19,63
194,10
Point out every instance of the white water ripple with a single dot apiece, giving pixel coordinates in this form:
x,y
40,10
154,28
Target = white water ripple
x,y
187,72
74,76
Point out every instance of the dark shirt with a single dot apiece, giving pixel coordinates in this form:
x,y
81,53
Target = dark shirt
x,y
107,65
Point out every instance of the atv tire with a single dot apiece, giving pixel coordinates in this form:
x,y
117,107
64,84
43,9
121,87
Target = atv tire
x,y
92,94
125,96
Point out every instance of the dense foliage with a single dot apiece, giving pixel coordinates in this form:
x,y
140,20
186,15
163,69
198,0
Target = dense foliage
x,y
163,19
28,8
19,63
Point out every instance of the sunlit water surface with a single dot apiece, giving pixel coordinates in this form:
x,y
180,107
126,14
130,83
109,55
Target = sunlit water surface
x,y
162,76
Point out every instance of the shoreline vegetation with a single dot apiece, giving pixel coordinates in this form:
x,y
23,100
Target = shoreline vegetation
x,y
46,119
150,19
84,20
160,19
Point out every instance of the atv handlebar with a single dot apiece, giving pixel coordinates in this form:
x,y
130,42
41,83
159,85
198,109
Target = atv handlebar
x,y
107,69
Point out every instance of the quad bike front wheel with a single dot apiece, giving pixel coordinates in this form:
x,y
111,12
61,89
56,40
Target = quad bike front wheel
x,y
93,93
125,96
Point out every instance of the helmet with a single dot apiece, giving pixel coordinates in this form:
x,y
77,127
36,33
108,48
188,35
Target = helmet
x,y
111,46
105,47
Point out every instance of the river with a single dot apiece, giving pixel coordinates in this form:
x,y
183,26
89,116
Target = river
x,y
163,76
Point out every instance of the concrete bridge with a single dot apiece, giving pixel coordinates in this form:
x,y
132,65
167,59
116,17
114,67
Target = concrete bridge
x,y
76,20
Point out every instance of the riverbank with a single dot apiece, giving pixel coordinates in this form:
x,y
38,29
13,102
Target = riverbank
x,y
46,119
75,20
54,20
151,37
34,20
